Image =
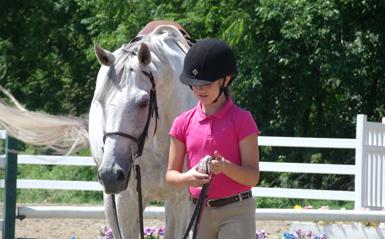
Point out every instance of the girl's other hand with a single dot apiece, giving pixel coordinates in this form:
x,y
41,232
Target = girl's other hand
x,y
218,164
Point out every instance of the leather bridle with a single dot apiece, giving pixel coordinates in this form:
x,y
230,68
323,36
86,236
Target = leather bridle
x,y
152,109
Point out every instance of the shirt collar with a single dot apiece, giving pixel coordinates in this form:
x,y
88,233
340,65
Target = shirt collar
x,y
219,114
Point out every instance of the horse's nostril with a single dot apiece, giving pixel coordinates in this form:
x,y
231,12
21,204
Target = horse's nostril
x,y
120,176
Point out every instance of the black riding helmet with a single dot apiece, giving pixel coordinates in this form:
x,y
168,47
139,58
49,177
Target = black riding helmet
x,y
207,61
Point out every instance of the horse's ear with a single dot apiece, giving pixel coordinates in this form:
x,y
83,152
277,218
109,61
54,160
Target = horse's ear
x,y
144,55
104,57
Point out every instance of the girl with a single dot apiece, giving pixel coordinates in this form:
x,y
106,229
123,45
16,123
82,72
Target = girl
x,y
220,129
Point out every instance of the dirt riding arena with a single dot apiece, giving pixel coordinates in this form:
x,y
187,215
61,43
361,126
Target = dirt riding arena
x,y
89,229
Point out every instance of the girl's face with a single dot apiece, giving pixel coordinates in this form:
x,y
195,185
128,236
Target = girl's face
x,y
206,94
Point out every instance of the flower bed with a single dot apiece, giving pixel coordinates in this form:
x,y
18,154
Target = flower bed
x,y
158,233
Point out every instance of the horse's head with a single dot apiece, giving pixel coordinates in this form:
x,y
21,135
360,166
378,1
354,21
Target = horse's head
x,y
134,84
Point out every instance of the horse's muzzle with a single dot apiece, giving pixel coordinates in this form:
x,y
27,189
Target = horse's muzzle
x,y
114,179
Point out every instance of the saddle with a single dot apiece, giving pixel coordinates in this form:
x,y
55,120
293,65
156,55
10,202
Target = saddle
x,y
153,24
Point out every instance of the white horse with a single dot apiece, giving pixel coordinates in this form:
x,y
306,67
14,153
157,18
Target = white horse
x,y
137,96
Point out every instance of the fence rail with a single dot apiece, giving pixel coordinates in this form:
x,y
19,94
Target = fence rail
x,y
154,212
306,142
257,191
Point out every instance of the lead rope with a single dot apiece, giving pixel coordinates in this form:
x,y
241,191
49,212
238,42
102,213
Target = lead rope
x,y
138,178
140,199
197,212
198,209
116,214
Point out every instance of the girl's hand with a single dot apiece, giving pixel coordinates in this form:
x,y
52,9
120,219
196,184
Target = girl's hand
x,y
218,164
196,179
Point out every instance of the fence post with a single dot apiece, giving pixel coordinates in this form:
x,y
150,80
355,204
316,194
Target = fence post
x,y
359,177
9,212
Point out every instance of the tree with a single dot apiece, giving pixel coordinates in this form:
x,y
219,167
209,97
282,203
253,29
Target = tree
x,y
44,47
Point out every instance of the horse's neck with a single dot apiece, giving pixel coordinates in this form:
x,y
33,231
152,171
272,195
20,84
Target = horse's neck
x,y
173,96
169,107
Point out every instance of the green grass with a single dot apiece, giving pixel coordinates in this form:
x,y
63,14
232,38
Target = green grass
x,y
290,203
42,196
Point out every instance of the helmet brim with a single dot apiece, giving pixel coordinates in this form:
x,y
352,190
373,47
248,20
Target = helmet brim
x,y
186,80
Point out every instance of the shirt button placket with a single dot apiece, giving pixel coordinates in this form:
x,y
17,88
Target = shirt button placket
x,y
210,135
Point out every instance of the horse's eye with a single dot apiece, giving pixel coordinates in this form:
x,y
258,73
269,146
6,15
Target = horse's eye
x,y
144,103
142,100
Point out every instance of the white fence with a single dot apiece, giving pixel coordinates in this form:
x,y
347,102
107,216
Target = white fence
x,y
257,191
369,169
370,164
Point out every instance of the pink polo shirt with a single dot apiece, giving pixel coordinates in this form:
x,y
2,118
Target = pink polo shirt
x,y
222,131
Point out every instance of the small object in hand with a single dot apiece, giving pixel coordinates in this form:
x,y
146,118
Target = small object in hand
x,y
203,164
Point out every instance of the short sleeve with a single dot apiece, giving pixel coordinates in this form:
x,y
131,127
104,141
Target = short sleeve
x,y
246,125
178,130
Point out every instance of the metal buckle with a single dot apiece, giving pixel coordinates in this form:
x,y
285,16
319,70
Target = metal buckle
x,y
240,198
208,202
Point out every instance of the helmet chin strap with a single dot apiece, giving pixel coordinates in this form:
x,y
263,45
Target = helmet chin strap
x,y
221,90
